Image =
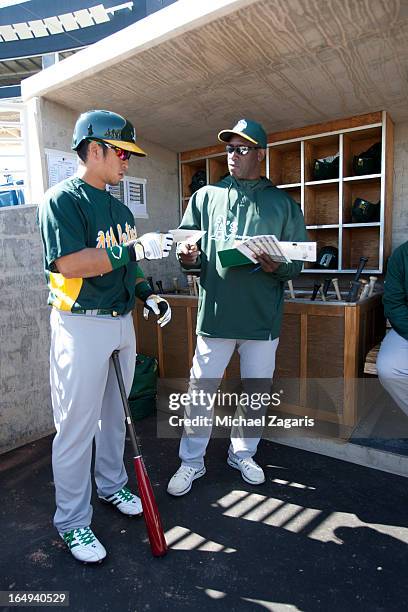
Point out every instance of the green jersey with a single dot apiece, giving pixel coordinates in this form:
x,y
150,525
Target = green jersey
x,y
234,302
76,216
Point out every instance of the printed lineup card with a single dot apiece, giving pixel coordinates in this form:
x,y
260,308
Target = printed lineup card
x,y
278,251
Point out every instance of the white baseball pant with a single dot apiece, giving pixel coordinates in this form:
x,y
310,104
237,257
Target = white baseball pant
x,y
392,368
87,405
212,355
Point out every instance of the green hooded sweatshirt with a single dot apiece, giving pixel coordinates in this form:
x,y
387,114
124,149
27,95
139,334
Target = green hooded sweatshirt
x,y
235,303
395,297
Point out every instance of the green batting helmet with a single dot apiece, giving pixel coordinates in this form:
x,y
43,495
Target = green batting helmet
x,y
107,126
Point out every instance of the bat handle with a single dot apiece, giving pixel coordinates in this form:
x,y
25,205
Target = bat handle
x,y
363,261
123,394
291,290
335,282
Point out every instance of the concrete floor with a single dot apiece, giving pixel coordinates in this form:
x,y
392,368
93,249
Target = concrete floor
x,y
320,534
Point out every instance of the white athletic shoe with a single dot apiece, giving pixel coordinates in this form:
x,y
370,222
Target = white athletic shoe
x,y
250,471
182,481
125,502
84,545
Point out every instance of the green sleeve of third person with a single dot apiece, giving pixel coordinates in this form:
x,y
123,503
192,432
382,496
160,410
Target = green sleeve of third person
x,y
191,220
395,297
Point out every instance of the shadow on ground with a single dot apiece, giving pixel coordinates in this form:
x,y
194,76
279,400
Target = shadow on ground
x,y
320,534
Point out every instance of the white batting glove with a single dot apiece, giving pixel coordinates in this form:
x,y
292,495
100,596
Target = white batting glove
x,y
152,245
159,306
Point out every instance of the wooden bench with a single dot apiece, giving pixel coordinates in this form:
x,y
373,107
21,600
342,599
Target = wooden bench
x,y
370,365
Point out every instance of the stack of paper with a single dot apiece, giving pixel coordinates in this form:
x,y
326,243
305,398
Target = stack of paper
x,y
246,251
258,245
187,235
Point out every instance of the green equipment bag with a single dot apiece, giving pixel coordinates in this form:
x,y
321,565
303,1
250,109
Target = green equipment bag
x,y
142,397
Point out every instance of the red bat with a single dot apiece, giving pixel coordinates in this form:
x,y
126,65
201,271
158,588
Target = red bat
x,y
151,514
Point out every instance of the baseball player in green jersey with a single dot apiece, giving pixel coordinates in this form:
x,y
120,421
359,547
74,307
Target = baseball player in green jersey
x,y
237,307
392,360
91,255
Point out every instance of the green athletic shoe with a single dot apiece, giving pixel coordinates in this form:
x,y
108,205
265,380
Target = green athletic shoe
x,y
84,545
125,502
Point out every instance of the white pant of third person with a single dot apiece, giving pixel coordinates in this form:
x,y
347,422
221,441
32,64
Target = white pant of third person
x,y
212,355
392,368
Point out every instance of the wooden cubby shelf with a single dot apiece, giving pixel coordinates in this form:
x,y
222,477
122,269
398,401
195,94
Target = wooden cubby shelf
x,y
322,204
326,203
285,162
360,242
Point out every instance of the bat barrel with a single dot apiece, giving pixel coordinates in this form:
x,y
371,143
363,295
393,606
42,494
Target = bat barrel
x,y
158,544
326,285
353,292
316,288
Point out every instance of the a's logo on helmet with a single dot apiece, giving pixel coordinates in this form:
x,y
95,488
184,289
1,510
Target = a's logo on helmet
x,y
113,134
90,129
241,125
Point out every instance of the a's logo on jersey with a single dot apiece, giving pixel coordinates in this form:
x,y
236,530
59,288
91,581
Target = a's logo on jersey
x,y
106,240
224,229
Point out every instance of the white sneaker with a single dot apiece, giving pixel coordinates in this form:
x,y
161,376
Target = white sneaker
x,y
84,545
250,471
125,502
182,481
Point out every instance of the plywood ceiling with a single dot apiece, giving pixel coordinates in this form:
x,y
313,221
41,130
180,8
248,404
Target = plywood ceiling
x,y
286,63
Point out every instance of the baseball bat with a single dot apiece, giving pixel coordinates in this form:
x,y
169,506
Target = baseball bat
x,y
323,296
291,291
316,288
160,286
352,296
371,285
326,286
363,261
353,291
335,282
151,514
364,289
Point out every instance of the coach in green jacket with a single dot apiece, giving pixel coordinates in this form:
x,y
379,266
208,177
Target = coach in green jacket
x,y
238,308
392,361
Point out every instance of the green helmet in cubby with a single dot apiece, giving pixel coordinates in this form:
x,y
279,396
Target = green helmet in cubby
x,y
328,258
108,127
363,211
368,162
326,168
